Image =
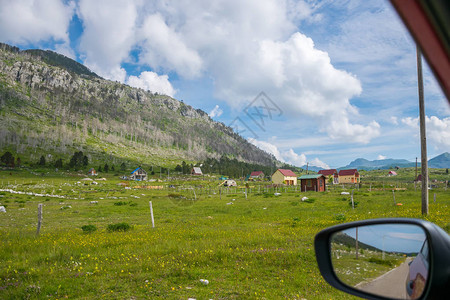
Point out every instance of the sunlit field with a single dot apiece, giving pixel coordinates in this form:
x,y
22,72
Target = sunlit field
x,y
250,245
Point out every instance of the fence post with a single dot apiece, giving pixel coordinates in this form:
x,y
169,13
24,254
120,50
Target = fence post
x,y
393,195
39,219
151,213
353,203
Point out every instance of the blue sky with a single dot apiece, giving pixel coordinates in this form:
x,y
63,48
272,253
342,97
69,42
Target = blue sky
x,y
393,237
323,82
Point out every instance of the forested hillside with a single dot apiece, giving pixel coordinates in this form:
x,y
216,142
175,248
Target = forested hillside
x,y
53,106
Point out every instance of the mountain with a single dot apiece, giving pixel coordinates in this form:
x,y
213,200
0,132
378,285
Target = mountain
x,y
52,106
364,164
440,161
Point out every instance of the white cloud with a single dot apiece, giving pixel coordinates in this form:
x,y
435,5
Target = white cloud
x,y
33,21
268,147
381,157
293,158
437,130
289,156
215,112
342,129
411,122
66,50
152,82
318,163
163,48
109,34
394,120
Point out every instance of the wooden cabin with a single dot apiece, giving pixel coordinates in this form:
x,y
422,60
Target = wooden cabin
x,y
313,182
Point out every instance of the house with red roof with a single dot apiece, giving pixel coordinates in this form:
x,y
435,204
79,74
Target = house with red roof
x,y
196,171
349,176
331,175
284,176
256,175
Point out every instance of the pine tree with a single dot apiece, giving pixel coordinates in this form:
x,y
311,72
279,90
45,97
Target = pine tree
x,y
42,161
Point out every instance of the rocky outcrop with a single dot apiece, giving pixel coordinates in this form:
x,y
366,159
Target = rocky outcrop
x,y
23,68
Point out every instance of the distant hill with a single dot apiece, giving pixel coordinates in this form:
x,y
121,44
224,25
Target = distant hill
x,y
312,168
441,161
344,239
364,164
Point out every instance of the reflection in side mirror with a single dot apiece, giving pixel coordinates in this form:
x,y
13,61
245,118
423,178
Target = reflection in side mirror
x,y
389,260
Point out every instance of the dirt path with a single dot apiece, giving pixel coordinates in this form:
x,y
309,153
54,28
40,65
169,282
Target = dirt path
x,y
391,284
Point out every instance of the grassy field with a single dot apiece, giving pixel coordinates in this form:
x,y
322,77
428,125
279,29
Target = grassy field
x,y
258,247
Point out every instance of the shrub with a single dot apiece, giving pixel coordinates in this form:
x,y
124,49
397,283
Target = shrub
x,y
133,204
339,217
173,195
119,227
120,203
379,261
355,203
309,200
88,228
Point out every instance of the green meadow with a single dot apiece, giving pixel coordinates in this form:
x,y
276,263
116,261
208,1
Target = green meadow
x,y
97,241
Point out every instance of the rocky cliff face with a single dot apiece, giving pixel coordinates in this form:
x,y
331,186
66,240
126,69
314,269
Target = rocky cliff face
x,y
28,70
69,99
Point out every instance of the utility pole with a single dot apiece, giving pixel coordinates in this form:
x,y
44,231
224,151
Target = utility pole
x,y
423,138
307,163
415,178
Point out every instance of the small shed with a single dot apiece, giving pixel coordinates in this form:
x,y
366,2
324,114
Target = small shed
x,y
92,172
392,173
256,175
284,176
313,182
196,171
138,174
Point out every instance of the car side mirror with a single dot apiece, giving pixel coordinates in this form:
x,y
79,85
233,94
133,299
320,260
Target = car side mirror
x,y
386,259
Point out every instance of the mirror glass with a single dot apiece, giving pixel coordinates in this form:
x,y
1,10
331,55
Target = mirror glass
x,y
389,260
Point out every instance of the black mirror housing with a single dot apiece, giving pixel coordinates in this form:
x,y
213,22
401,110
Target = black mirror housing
x,y
438,284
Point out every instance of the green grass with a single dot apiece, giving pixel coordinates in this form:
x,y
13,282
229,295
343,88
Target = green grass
x,y
256,248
